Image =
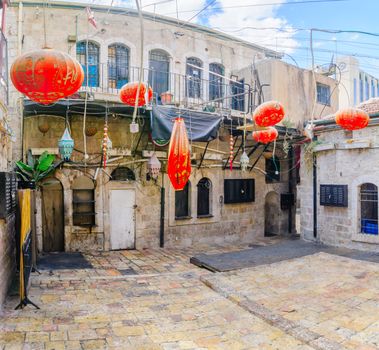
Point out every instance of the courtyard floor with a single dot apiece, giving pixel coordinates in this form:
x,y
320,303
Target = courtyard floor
x,y
156,299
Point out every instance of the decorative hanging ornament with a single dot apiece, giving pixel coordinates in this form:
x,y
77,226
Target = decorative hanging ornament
x,y
352,118
154,166
231,146
46,75
268,113
66,145
244,161
265,136
106,145
179,156
128,94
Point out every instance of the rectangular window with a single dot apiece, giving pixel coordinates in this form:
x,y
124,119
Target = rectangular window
x,y
355,91
323,94
372,88
360,88
367,89
83,207
239,191
272,170
369,209
182,207
238,95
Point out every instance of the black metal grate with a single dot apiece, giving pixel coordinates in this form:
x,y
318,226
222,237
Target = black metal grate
x,y
334,195
8,192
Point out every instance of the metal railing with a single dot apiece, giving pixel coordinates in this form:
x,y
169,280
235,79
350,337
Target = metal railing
x,y
3,68
211,95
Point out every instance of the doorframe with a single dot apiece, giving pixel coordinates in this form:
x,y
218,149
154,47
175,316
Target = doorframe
x,y
114,186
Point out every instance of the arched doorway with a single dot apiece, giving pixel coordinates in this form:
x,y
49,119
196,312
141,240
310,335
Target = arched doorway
x,y
52,215
272,214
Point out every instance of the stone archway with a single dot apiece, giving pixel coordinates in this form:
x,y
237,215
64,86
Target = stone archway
x,y
272,214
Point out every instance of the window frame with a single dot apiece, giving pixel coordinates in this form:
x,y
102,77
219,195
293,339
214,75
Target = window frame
x,y
216,83
164,85
369,225
81,54
121,52
187,198
83,207
194,88
323,94
208,193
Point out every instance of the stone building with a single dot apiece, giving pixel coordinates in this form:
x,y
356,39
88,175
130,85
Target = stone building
x,y
195,72
7,237
339,191
358,84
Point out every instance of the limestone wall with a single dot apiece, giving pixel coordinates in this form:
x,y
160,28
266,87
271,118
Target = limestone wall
x,y
349,163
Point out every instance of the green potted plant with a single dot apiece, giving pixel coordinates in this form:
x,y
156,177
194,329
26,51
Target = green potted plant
x,y
35,170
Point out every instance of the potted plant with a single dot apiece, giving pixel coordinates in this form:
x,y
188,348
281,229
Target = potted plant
x,y
35,170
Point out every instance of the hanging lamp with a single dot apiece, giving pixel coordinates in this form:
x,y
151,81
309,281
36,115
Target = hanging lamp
x,y
66,145
154,166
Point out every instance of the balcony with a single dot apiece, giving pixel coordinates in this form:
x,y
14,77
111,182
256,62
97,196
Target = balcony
x,y
216,94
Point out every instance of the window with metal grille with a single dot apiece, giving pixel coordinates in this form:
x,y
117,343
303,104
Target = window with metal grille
x,y
182,202
194,78
118,65
123,174
216,82
204,187
361,96
159,72
367,88
369,208
93,62
272,170
323,94
83,200
238,95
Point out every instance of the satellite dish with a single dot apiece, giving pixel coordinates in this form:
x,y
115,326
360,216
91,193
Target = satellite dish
x,y
342,66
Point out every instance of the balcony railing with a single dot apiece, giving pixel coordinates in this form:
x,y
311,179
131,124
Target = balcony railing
x,y
3,68
214,94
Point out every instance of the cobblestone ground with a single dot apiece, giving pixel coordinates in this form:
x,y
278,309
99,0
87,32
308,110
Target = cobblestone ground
x,y
332,296
165,306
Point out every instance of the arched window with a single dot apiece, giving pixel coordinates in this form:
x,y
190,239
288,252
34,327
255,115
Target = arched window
x,y
118,65
159,71
182,202
216,82
204,188
83,197
194,76
93,62
369,208
123,174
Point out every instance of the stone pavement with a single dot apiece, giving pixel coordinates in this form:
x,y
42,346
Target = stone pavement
x,y
155,299
331,299
172,310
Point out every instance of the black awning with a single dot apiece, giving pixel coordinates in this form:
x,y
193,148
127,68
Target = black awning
x,y
201,126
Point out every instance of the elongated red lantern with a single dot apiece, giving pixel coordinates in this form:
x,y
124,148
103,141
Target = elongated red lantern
x,y
352,119
128,94
268,114
46,75
265,136
179,156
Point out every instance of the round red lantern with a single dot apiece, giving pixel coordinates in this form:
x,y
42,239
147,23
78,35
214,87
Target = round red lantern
x,y
128,94
268,113
352,119
265,136
46,75
179,156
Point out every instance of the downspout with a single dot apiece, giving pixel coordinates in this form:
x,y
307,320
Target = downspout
x,y
161,229
315,193
290,187
19,51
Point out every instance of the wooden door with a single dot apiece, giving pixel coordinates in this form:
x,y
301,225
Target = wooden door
x,y
122,219
52,216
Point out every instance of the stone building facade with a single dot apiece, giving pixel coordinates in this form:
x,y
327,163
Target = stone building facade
x,y
347,159
123,188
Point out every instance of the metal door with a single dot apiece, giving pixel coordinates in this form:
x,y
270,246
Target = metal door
x,y
52,216
122,219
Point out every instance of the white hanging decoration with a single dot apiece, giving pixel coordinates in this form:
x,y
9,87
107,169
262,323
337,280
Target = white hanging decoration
x,y
244,161
154,166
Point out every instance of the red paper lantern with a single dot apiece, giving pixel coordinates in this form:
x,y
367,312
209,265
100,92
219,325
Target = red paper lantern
x,y
268,113
179,156
352,119
46,75
128,94
265,136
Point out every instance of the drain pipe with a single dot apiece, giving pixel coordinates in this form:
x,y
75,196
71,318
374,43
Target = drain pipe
x,y
161,229
315,193
290,187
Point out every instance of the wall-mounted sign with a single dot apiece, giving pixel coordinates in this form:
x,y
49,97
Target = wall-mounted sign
x,y
333,195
